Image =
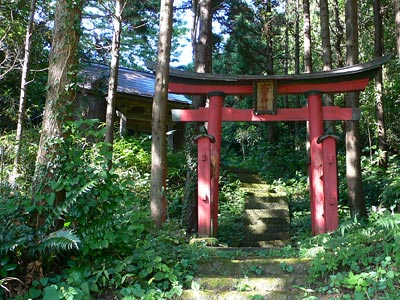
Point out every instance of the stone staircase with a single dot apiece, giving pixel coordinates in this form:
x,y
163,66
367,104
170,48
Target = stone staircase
x,y
266,222
253,271
248,277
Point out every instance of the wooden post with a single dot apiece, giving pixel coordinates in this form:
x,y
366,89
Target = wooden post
x,y
330,180
204,184
316,170
214,128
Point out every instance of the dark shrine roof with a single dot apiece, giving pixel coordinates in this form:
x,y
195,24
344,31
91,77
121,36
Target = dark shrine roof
x,y
129,81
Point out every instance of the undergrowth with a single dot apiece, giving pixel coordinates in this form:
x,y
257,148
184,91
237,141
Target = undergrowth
x,y
100,242
360,260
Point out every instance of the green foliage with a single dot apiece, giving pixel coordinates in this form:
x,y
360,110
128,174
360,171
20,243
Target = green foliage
x,y
100,235
360,259
230,208
28,157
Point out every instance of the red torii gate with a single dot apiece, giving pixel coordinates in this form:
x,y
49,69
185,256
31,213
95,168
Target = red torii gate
x,y
323,166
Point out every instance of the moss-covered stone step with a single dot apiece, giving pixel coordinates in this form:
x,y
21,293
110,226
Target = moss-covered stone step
x,y
248,177
255,240
235,295
256,202
271,243
253,266
244,283
261,186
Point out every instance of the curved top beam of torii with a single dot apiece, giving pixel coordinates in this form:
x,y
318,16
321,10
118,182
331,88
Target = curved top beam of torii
x,y
347,79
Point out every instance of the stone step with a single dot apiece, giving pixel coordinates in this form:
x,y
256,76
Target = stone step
x,y
265,244
252,240
242,284
250,277
235,295
261,228
256,202
253,266
267,216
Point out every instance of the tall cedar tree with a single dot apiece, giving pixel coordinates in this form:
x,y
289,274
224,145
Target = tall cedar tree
x,y
60,96
353,148
397,23
339,34
378,51
23,93
326,53
268,34
158,201
307,37
113,81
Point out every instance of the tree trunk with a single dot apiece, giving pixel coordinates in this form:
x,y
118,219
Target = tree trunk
x,y
63,63
269,55
63,69
397,21
307,56
297,57
353,148
326,55
307,37
158,201
201,36
382,145
22,97
339,35
113,81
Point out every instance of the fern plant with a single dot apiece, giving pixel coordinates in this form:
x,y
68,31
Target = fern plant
x,y
361,257
60,240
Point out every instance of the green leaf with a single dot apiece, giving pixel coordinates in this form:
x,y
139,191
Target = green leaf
x,y
50,199
159,276
390,274
10,267
4,261
44,281
34,293
52,293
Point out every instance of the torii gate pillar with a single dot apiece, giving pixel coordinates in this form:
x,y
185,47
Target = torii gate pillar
x,y
216,100
316,164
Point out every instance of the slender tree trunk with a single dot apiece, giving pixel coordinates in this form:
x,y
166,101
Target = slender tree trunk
x,y
397,23
63,61
297,57
353,148
326,54
158,201
286,62
339,35
63,69
382,144
22,96
201,35
307,37
113,81
269,55
307,56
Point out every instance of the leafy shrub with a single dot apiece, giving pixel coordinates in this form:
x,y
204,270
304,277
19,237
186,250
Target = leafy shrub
x,y
105,213
360,259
